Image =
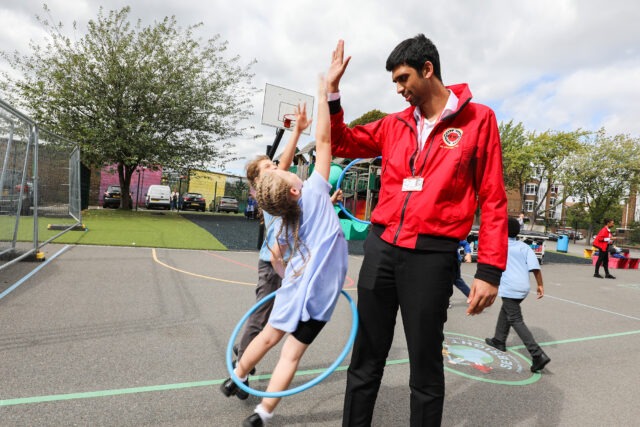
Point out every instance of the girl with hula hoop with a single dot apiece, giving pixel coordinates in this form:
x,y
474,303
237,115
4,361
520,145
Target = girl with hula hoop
x,y
313,274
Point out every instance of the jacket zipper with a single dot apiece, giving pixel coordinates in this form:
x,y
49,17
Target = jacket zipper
x,y
406,200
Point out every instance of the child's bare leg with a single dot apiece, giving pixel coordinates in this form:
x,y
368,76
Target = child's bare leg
x,y
292,351
257,348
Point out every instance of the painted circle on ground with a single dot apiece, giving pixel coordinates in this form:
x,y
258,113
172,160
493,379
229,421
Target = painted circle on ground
x,y
472,358
308,384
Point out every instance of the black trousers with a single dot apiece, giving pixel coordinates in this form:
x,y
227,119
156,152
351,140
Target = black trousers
x,y
511,317
419,283
268,281
603,260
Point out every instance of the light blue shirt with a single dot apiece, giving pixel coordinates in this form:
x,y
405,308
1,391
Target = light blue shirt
x,y
520,261
315,274
271,225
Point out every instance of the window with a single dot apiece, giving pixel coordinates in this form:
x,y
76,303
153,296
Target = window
x,y
552,214
530,189
552,202
555,188
528,205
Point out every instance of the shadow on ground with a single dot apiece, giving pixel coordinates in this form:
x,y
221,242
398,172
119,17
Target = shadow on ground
x,y
241,234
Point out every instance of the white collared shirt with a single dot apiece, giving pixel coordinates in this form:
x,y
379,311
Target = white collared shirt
x,y
425,126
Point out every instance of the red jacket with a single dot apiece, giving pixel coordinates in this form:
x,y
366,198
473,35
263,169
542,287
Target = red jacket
x,y
461,164
602,239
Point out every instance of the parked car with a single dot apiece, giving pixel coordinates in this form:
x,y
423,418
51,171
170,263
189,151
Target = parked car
x,y
193,201
112,197
552,237
10,200
570,232
226,204
158,196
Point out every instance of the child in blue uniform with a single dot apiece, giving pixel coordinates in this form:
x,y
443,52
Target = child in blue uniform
x,y
268,279
514,288
459,281
312,276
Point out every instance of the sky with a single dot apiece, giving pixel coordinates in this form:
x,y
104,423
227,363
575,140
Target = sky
x,y
553,65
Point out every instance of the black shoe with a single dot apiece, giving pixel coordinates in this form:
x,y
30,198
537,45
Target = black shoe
x,y
229,388
597,275
495,344
253,420
540,362
235,351
609,276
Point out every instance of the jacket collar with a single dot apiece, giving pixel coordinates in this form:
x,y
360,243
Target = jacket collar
x,y
460,90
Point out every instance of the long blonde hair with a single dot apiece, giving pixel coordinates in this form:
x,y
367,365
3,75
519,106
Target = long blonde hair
x,y
273,195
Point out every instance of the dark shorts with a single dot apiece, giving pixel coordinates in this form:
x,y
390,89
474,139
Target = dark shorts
x,y
308,331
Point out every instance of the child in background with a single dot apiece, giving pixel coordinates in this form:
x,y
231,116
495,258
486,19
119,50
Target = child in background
x,y
459,281
514,288
313,274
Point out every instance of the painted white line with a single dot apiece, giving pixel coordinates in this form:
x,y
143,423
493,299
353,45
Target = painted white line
x,y
590,306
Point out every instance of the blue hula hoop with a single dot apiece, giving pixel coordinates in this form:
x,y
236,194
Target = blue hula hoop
x,y
307,385
340,205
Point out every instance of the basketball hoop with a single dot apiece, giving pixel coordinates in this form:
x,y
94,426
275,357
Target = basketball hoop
x,y
288,120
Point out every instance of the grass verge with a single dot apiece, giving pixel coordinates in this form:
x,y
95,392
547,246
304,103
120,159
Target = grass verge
x,y
156,229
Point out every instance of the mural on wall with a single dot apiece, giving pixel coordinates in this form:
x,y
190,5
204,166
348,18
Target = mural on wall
x,y
209,184
140,182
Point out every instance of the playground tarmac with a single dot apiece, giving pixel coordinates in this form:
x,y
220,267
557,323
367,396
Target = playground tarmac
x,y
112,336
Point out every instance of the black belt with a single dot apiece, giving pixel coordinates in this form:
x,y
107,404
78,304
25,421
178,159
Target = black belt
x,y
426,242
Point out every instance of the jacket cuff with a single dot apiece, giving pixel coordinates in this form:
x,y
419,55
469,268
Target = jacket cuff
x,y
489,274
334,106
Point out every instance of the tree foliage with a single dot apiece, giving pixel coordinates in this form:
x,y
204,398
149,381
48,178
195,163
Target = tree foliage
x,y
136,96
517,156
603,171
367,117
538,157
551,150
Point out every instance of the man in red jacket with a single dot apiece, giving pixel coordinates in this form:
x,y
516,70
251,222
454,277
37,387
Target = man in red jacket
x,y
441,160
602,242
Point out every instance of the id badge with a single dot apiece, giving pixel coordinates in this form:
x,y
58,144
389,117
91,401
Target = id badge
x,y
413,183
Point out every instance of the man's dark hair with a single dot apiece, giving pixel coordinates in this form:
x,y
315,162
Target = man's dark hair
x,y
607,220
414,52
514,227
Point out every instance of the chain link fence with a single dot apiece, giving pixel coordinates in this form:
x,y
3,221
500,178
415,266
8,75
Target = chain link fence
x,y
39,186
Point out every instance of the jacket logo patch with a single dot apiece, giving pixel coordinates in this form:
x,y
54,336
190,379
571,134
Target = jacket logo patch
x,y
452,136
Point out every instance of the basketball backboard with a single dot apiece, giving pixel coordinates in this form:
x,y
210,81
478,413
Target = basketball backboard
x,y
279,102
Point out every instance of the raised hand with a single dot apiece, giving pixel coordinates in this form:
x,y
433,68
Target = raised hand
x,y
302,121
337,67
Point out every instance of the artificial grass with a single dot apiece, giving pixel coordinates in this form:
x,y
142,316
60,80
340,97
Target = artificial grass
x,y
156,229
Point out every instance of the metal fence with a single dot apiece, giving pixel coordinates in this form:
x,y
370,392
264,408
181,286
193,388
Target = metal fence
x,y
39,186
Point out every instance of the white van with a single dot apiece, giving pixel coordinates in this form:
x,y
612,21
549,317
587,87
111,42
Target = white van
x,y
158,196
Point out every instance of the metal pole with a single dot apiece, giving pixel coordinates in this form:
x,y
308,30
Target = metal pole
x,y
35,184
276,142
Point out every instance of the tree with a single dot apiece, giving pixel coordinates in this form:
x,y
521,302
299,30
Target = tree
x,y
604,172
530,157
517,157
550,151
136,96
368,117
